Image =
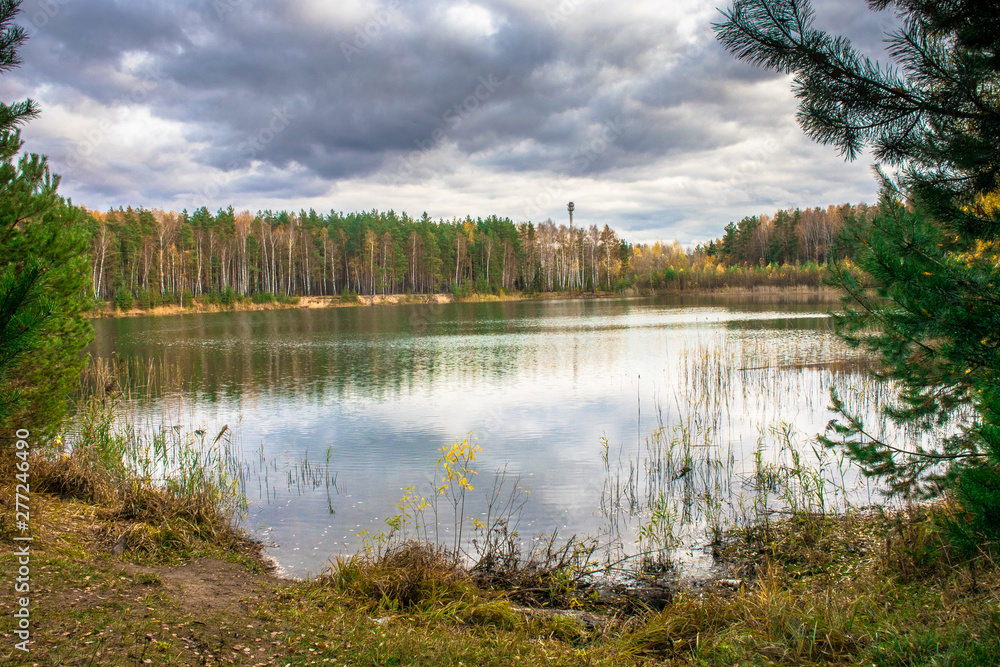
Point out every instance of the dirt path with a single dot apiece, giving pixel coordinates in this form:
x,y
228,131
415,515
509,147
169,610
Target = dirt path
x,y
92,608
208,585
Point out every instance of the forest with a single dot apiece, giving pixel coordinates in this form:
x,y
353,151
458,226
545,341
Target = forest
x,y
157,256
876,542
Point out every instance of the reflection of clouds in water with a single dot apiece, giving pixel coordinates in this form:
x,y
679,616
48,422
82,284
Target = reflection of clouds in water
x,y
376,352
539,387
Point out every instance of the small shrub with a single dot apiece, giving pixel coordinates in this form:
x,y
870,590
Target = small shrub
x,y
148,299
978,525
622,285
406,576
228,296
263,297
123,299
916,545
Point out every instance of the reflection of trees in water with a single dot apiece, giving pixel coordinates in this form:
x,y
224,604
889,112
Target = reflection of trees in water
x,y
382,351
713,378
370,351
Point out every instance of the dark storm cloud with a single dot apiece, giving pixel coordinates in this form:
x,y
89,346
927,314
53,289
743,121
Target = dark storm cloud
x,y
256,82
79,45
302,93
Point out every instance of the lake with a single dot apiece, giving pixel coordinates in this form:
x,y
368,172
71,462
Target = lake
x,y
594,407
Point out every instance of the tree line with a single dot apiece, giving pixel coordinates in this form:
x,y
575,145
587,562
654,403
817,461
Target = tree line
x,y
138,251
788,248
789,237
164,256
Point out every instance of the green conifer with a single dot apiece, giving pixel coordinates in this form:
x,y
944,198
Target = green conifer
x,y
923,291
43,272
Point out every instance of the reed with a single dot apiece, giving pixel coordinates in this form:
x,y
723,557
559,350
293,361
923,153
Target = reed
x,y
818,577
691,481
695,475
162,488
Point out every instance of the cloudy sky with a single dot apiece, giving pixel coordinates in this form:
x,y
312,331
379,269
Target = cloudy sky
x,y
453,107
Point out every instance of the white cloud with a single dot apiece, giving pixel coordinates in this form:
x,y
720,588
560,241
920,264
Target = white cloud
x,y
339,14
469,21
708,140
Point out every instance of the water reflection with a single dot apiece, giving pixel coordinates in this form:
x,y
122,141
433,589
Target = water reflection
x,y
374,392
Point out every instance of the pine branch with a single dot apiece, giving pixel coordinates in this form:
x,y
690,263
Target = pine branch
x,y
921,455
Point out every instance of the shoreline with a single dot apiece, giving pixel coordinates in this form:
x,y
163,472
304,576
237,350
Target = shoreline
x,y
802,293
219,604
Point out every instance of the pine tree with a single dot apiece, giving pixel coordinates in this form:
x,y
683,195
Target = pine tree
x,y
43,271
924,292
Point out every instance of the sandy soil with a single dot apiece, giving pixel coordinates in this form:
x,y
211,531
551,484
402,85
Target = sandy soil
x,y
305,302
314,302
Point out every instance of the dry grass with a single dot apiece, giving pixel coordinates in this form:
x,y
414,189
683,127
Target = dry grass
x,y
161,496
136,515
403,577
871,587
868,588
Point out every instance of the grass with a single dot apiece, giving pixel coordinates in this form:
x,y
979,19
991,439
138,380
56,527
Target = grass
x,y
157,493
865,588
92,607
138,560
857,589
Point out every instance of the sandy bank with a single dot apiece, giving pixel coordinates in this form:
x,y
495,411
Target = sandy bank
x,y
795,294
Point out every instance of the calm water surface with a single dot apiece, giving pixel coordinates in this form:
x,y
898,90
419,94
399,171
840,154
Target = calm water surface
x,y
369,395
